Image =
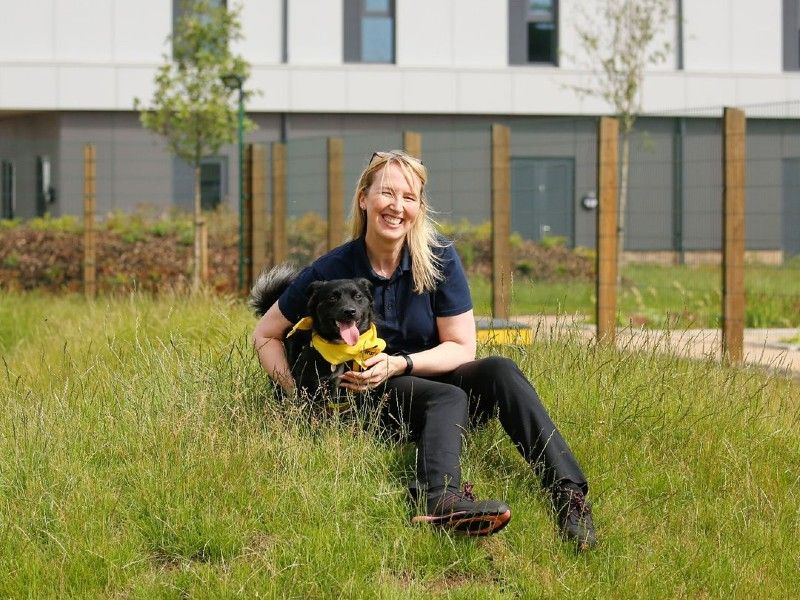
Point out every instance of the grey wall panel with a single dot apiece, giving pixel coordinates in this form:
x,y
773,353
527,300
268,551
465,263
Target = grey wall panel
x,y
22,140
306,177
134,167
458,160
764,196
650,179
702,215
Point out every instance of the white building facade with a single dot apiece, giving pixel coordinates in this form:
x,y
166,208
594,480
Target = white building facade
x,y
366,70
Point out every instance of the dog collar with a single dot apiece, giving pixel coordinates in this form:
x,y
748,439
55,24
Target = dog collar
x,y
367,346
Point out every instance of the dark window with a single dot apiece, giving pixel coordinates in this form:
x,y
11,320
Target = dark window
x,y
213,182
369,31
791,35
542,31
7,183
533,31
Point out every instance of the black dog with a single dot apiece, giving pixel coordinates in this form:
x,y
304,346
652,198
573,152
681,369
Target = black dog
x,y
338,335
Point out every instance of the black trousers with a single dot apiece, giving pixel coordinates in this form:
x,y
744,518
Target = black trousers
x,y
437,411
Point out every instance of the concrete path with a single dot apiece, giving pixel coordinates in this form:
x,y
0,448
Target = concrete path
x,y
764,347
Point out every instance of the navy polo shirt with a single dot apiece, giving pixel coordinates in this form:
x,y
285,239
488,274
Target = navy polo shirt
x,y
406,320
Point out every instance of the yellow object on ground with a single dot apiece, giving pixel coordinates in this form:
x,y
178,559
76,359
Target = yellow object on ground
x,y
502,331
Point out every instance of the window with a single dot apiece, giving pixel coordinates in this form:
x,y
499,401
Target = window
x,y
45,193
181,7
369,31
791,35
7,199
533,32
213,181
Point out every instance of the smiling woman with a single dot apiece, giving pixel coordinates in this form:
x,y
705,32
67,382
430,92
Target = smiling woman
x,y
427,380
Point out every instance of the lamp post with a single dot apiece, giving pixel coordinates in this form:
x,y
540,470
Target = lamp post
x,y
235,82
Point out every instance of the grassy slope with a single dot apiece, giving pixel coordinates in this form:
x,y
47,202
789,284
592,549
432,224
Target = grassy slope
x,y
141,456
652,292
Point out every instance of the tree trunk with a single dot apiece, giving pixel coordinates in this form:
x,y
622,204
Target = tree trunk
x,y
197,272
623,202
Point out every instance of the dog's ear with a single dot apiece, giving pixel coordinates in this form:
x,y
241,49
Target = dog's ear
x,y
311,292
366,286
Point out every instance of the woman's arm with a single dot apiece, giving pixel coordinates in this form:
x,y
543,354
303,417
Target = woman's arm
x,y
268,339
457,344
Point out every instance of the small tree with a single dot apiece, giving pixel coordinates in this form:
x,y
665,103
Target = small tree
x,y
621,41
191,106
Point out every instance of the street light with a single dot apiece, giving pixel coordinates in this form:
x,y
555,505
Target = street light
x,y
235,82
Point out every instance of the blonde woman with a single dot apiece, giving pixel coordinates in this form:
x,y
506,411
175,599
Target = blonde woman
x,y
428,370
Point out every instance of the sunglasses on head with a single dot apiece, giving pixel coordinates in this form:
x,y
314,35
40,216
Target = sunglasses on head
x,y
394,154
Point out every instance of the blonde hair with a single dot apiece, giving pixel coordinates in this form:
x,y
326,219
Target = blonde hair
x,y
423,236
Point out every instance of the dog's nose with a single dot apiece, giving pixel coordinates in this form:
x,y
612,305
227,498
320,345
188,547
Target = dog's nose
x,y
349,312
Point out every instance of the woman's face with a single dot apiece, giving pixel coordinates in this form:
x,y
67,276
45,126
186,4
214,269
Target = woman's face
x,y
391,204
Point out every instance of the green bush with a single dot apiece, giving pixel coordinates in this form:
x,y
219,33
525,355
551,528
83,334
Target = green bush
x,y
9,223
64,224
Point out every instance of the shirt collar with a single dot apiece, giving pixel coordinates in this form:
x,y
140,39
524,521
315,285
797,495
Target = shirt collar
x,y
405,261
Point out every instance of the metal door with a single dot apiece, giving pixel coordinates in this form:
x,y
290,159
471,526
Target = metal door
x,y
542,197
791,207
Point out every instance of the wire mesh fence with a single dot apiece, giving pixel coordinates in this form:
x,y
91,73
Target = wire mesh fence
x,y
671,273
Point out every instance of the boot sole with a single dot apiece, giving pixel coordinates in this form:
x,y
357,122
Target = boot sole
x,y
467,524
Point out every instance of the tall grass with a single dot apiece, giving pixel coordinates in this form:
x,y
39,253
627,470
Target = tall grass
x,y
142,454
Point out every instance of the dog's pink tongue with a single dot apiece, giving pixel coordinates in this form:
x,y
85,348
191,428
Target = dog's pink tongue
x,y
349,332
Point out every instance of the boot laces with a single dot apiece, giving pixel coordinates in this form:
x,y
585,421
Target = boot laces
x,y
467,491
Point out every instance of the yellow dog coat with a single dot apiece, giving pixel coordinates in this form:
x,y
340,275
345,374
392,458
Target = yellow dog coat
x,y
336,353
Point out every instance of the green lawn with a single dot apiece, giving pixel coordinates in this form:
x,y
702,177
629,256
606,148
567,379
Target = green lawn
x,y
142,455
656,296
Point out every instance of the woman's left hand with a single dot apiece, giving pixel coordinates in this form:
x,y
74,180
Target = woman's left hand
x,y
379,368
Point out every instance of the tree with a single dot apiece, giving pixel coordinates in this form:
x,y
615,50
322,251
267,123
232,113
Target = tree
x,y
621,40
191,106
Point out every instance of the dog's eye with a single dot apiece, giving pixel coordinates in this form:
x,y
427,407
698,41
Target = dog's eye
x,y
357,296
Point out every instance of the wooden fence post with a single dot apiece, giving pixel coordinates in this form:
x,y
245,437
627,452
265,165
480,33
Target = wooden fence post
x,y
733,242
335,192
279,243
412,143
203,230
501,222
257,192
89,211
607,229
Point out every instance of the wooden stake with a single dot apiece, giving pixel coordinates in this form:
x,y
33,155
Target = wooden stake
x,y
412,143
607,232
257,192
335,192
202,230
733,242
501,222
279,243
89,212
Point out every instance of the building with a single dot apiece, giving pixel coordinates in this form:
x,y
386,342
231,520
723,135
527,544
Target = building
x,y
366,70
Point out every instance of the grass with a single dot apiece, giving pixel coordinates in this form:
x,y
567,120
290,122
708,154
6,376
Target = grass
x,y
142,455
658,296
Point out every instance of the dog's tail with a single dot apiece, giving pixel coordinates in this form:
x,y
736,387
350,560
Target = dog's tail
x,y
269,286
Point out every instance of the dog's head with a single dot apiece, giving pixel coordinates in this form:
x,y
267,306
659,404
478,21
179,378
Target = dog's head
x,y
341,308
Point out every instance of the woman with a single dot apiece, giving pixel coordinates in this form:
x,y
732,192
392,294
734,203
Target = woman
x,y
423,310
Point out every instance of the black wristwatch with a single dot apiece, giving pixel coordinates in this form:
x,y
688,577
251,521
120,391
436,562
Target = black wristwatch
x,y
409,363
